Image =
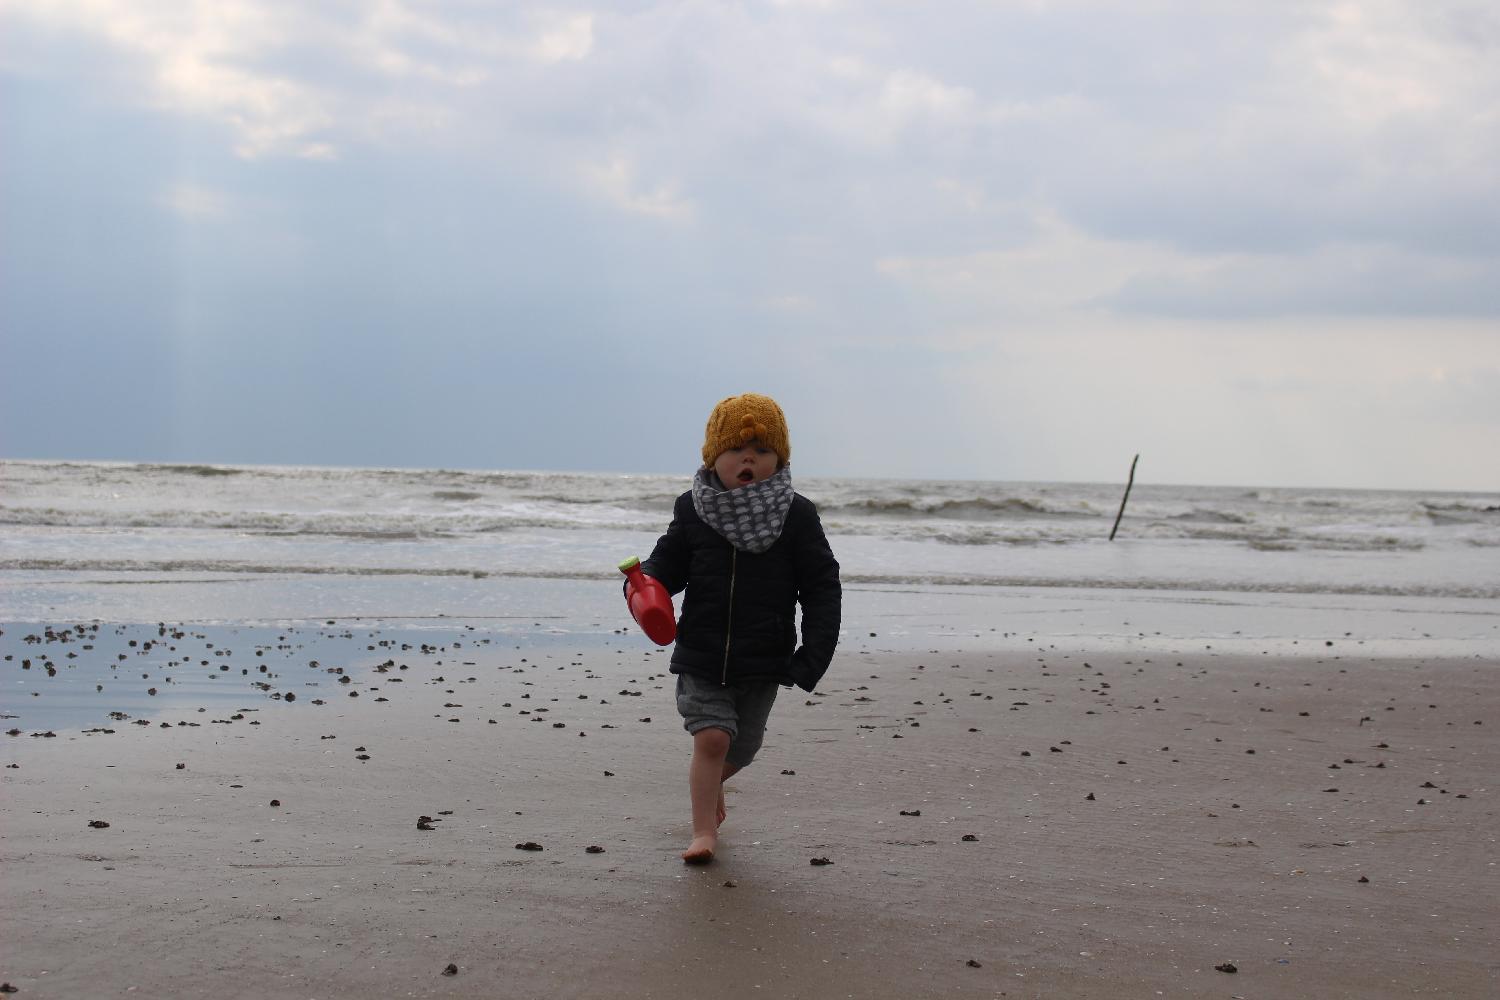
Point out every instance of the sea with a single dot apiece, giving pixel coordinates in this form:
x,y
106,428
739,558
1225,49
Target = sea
x,y
101,564
78,520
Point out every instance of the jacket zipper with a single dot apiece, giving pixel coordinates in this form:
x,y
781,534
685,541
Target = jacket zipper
x,y
734,559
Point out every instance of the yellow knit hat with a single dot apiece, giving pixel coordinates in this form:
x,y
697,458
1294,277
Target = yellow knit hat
x,y
740,419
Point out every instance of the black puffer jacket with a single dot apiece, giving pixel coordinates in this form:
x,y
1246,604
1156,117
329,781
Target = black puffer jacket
x,y
739,613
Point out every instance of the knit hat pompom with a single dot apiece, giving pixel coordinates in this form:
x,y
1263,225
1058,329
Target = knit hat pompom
x,y
738,420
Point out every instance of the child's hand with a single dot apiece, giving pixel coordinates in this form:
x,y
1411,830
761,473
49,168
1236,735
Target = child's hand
x,y
801,674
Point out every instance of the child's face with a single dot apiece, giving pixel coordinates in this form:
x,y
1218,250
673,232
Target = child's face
x,y
742,466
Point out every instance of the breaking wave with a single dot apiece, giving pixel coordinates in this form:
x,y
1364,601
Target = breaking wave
x,y
977,508
194,470
1462,513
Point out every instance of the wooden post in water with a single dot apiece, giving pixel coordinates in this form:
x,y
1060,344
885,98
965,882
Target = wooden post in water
x,y
1129,483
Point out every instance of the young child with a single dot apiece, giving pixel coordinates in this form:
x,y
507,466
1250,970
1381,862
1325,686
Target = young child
x,y
747,549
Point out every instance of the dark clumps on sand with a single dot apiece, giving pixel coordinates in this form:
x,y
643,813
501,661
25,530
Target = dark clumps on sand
x,y
163,654
450,970
99,824
986,761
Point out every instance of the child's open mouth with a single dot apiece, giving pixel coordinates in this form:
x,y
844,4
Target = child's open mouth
x,y
746,476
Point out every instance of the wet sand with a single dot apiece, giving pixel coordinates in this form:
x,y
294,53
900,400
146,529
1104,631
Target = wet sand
x,y
1021,819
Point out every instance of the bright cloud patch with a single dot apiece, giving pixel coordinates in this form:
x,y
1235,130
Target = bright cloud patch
x,y
616,181
196,204
567,37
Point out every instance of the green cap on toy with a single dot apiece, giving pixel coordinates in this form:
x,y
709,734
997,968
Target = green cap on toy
x,y
630,564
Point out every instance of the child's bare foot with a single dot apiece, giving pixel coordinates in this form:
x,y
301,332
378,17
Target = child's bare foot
x,y
701,850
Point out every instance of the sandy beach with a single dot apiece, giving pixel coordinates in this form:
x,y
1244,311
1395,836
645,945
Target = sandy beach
x,y
1013,815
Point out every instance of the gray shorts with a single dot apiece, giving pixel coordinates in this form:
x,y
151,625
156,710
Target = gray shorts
x,y
740,709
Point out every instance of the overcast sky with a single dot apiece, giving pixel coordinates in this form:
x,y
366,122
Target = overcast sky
x,y
1257,242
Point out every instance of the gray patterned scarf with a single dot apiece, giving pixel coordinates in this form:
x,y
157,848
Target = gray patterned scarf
x,y
752,516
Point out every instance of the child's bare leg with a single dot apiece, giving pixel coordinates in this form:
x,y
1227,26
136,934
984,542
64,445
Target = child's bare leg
x,y
730,770
705,788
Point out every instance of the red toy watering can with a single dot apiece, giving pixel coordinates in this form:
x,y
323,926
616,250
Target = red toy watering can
x,y
650,604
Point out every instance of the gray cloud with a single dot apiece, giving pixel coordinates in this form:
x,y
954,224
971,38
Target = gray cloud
x,y
463,217
1366,281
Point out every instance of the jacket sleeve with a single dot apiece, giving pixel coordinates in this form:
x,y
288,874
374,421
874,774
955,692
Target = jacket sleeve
x,y
670,560
821,596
